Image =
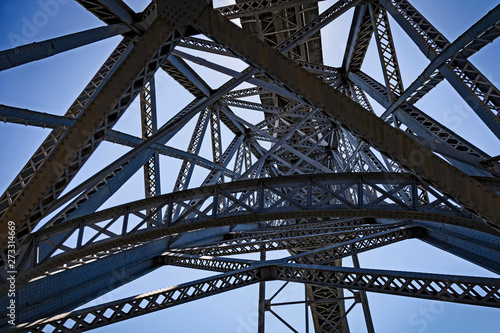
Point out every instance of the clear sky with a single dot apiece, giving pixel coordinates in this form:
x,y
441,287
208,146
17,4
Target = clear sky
x,y
52,84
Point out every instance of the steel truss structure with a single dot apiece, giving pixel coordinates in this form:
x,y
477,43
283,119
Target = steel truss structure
x,y
317,173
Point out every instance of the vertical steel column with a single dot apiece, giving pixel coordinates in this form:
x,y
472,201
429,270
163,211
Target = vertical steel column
x,y
149,126
216,136
364,301
262,299
306,304
387,51
248,165
217,150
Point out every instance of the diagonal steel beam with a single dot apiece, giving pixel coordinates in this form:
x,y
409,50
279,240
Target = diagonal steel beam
x,y
420,123
164,134
53,139
126,82
180,71
472,34
111,11
36,51
390,140
386,50
358,40
157,300
481,95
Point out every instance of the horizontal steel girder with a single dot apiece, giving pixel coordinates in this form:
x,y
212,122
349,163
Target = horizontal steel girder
x,y
460,289
289,243
321,195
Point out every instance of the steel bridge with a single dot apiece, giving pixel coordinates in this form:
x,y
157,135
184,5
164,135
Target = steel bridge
x,y
317,172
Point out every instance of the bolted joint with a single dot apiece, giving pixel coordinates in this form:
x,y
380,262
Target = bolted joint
x,y
181,13
267,272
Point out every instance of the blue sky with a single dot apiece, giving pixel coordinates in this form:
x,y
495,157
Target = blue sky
x,y
52,84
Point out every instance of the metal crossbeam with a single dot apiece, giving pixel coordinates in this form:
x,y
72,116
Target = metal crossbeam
x,y
251,8
427,79
36,51
418,121
467,290
335,189
481,95
387,51
289,243
41,154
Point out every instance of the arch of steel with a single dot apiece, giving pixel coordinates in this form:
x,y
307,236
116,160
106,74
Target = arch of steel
x,y
319,174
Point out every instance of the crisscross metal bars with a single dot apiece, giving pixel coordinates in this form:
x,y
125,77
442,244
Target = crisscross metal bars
x,y
313,253
481,95
149,127
479,35
352,115
320,21
99,316
387,51
257,7
430,126
274,199
284,243
460,289
55,136
77,141
123,168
